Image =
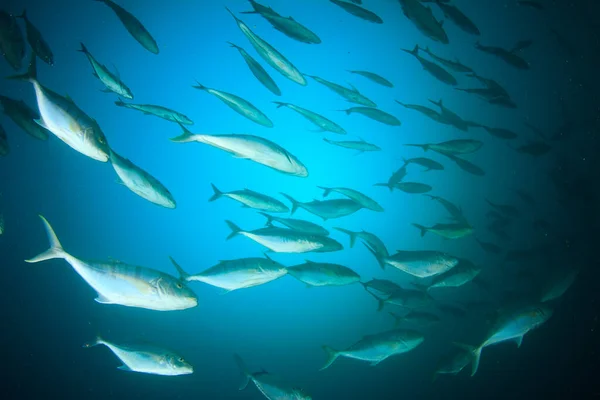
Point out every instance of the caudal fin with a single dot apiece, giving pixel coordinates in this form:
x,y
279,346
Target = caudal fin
x,y
332,355
349,233
95,342
55,250
217,193
31,74
185,137
397,318
295,203
200,86
83,49
414,51
423,146
475,353
120,103
280,104
326,190
182,274
244,370
387,185
234,229
422,228
268,217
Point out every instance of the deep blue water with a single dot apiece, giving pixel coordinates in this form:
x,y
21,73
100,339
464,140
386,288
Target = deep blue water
x,y
49,312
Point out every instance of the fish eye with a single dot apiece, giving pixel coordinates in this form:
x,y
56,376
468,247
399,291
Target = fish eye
x,y
101,140
180,359
179,285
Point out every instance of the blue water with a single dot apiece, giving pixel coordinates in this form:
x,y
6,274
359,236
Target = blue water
x,y
282,325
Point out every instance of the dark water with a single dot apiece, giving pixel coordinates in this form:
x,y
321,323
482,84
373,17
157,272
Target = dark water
x,y
48,312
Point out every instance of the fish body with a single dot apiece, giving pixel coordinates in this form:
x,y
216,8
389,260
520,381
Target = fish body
x,y
454,65
447,231
410,187
507,56
405,298
426,163
320,121
465,165
112,82
39,46
454,363
558,284
252,199
373,77
299,225
432,68
422,264
158,111
382,286
424,20
358,11
458,146
416,317
506,209
352,95
355,195
12,43
450,117
326,209
359,145
323,274
24,117
489,247
428,112
501,133
455,15
463,273
375,114
258,71
452,208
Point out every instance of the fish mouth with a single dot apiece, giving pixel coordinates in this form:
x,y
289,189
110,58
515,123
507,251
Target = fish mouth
x,y
101,156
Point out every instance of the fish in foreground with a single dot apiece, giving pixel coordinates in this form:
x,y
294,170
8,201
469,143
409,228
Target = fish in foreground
x,y
269,385
325,124
141,182
282,240
352,95
355,195
237,274
133,26
239,105
370,239
112,82
373,77
422,17
422,264
360,145
326,209
512,326
252,199
249,147
447,231
4,146
123,284
39,46
258,71
358,11
323,274
24,117
375,114
376,348
458,146
12,43
146,359
65,120
158,111
435,70
294,224
273,57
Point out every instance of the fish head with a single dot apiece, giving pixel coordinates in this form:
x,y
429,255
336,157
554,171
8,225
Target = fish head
x,y
330,245
297,168
178,365
176,293
541,314
96,143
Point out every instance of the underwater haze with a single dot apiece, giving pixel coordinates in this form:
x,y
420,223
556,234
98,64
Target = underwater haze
x,y
490,221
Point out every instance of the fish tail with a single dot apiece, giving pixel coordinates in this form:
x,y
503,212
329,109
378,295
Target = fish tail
x,y
295,203
232,14
200,86
234,229
475,355
233,45
119,102
327,140
280,104
423,146
332,355
414,51
349,233
55,251
326,190
31,74
217,193
397,318
380,259
387,185
421,228
184,276
268,217
185,137
83,49
96,342
244,370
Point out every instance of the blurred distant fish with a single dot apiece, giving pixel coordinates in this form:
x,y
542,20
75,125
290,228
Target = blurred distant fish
x,y
252,199
506,209
24,117
352,95
465,165
249,147
377,348
426,163
405,298
533,148
294,224
522,45
447,231
526,197
112,82
531,4
428,112
507,56
288,26
355,195
435,70
326,209
450,117
141,183
454,363
558,283
123,284
382,286
499,232
501,133
133,26
158,111
146,359
237,274
326,125
258,71
323,274
368,238
454,65
415,317
455,15
360,145
422,17
375,114
408,187
239,105
4,150
36,41
453,209
497,89
358,11
455,311
12,43
373,77
282,240
489,247
274,58
458,146
422,264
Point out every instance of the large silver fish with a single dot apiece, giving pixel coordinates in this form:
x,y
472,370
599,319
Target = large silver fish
x,y
123,284
158,111
326,125
323,274
39,46
258,71
112,82
327,209
251,199
249,147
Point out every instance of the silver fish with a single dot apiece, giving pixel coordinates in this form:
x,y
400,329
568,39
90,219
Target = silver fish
x,y
323,274
252,199
373,77
435,70
258,71
325,124
352,95
422,264
358,11
447,231
360,145
158,111
368,238
327,209
111,81
375,114
355,195
424,20
454,65
294,224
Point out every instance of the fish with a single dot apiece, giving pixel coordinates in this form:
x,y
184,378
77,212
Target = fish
x,y
270,386
373,77
405,298
533,148
4,150
375,114
294,224
158,111
531,4
453,209
458,146
496,89
396,178
352,95
376,348
432,68
24,117
428,112
355,195
416,317
249,147
426,163
12,43
237,274
501,133
507,56
282,240
450,117
489,247
39,46
112,82
288,26
65,120
383,286
424,20
251,199
324,124
409,187
133,26
358,11
422,264
258,71
141,182
123,284
146,359
360,145
273,57
465,165
458,276
454,65
455,362
455,15
447,231
239,105
558,283
506,209
326,209
370,239
512,326
323,274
